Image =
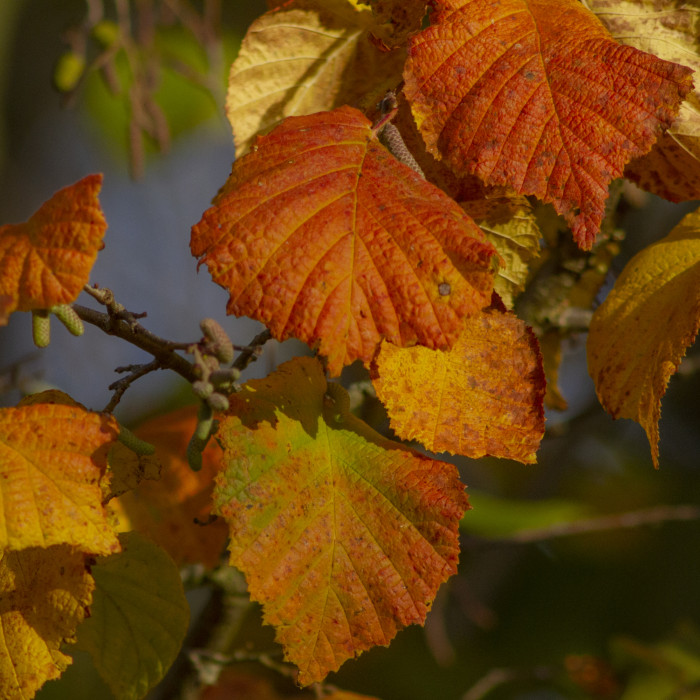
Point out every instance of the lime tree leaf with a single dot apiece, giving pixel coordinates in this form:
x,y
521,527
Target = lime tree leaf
x,y
44,593
167,509
483,397
536,95
641,331
52,458
138,618
321,234
47,260
343,536
306,56
672,168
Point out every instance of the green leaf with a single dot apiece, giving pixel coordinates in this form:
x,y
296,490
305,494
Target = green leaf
x,y
139,617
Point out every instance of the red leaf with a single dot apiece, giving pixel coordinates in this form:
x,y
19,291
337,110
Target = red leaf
x,y
535,94
322,234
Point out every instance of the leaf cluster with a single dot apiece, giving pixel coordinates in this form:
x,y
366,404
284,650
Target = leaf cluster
x,y
422,194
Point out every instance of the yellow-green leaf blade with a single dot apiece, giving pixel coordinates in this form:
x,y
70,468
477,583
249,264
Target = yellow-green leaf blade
x,y
138,618
52,458
343,536
640,333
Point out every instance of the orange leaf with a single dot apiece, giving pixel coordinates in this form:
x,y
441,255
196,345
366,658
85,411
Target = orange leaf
x,y
52,458
165,510
641,331
44,594
323,235
47,260
535,94
672,168
343,536
484,397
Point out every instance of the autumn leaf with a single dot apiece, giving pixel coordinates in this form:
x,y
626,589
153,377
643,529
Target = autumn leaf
x,y
304,57
322,235
343,536
47,260
484,397
510,225
166,509
138,618
672,168
44,593
395,20
52,458
641,331
536,95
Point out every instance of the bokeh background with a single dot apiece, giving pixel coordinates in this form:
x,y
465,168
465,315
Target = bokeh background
x,y
607,614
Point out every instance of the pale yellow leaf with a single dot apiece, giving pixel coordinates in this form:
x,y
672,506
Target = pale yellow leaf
x,y
306,56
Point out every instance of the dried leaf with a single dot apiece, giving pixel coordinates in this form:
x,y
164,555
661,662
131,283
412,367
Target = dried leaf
x,y
138,618
304,57
670,31
343,536
52,458
536,95
44,593
641,331
322,235
166,509
484,397
47,260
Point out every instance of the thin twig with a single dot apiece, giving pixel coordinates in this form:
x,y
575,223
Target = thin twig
x,y
501,676
252,352
134,333
120,386
646,516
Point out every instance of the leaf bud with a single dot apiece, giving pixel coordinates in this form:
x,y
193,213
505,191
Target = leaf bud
x,y
222,348
202,388
67,315
68,71
135,444
41,328
106,32
218,402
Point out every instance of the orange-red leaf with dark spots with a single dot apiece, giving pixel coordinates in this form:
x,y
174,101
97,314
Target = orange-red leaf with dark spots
x,y
47,260
321,234
535,94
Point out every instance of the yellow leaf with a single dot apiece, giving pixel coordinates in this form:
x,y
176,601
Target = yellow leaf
x,y
483,397
670,31
52,458
306,56
43,597
641,331
343,536
138,618
510,225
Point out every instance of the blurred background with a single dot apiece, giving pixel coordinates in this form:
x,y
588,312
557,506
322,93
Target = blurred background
x,y
541,607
